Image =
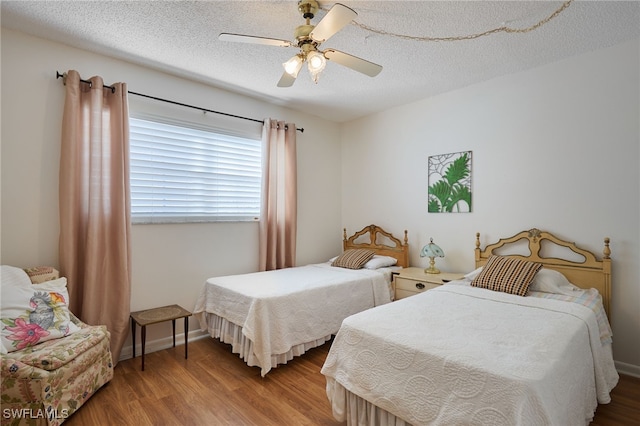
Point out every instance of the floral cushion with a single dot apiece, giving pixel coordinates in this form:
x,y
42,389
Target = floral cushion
x,y
34,395
45,382
55,353
32,314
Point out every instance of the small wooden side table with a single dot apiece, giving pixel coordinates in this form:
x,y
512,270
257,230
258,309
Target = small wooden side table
x,y
156,315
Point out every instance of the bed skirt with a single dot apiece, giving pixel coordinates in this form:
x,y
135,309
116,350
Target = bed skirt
x,y
358,411
230,333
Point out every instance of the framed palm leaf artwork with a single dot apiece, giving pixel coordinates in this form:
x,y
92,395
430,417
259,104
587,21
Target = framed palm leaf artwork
x,y
450,183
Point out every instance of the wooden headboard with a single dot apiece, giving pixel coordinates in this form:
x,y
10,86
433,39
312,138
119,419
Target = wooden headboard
x,y
589,272
395,247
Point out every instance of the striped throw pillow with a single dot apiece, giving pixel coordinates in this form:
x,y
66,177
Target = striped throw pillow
x,y
507,274
40,274
353,258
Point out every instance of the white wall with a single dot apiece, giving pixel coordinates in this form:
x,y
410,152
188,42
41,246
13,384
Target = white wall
x,y
554,148
170,262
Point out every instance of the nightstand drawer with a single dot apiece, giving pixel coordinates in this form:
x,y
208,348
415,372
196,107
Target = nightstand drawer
x,y
413,280
413,286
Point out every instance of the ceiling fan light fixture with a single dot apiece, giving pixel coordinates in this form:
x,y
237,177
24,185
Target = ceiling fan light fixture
x,y
316,63
293,65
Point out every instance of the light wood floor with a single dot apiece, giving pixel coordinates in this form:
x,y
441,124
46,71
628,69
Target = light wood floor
x,y
215,387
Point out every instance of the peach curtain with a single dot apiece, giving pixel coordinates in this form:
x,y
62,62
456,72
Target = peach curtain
x,y
278,217
95,210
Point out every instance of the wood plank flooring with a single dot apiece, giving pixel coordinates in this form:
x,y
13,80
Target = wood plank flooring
x,y
215,387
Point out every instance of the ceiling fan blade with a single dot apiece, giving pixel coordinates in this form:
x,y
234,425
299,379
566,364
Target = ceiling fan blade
x,y
353,62
240,38
337,17
286,80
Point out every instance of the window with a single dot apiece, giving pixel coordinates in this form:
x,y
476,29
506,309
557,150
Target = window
x,y
180,173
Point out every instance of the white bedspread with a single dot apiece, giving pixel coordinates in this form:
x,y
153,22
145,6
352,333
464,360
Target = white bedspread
x,y
283,308
464,355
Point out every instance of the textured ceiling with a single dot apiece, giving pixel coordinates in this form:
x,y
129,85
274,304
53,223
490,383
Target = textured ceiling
x,y
181,37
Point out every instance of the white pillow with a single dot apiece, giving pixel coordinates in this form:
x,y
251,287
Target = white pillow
x,y
12,276
380,262
550,281
31,314
471,275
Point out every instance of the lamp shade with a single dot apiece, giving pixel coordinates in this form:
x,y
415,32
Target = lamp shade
x,y
293,65
431,250
316,63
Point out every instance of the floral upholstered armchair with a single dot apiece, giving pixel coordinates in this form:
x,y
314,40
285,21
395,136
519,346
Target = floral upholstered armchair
x,y
51,361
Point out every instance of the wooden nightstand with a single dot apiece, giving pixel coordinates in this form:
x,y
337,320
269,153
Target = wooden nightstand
x,y
411,281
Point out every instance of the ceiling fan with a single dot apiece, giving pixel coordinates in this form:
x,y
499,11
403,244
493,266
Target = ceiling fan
x,y
308,38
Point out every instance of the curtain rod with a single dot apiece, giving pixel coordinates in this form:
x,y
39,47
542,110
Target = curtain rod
x,y
113,89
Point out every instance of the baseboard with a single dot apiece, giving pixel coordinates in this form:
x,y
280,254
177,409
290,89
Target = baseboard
x,y
627,369
160,344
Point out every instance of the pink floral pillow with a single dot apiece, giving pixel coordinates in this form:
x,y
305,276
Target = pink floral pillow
x,y
32,314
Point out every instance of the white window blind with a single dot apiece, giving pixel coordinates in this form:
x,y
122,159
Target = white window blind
x,y
185,174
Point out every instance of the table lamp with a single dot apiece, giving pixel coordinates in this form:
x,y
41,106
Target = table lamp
x,y
431,251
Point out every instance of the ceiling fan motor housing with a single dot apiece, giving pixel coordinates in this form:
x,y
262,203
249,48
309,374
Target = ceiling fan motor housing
x,y
303,31
302,36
